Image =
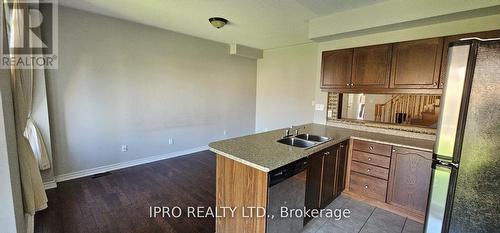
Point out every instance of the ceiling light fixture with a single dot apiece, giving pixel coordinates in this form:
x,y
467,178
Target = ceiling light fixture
x,y
218,22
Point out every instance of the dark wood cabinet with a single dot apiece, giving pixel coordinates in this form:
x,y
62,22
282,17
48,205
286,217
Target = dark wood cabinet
x,y
313,181
328,183
395,178
450,39
409,179
326,173
341,167
369,169
336,68
416,64
371,66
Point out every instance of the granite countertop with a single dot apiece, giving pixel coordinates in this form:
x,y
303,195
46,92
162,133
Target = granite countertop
x,y
261,150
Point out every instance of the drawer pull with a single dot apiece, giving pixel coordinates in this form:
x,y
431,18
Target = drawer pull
x,y
366,186
369,159
393,150
327,153
368,170
370,147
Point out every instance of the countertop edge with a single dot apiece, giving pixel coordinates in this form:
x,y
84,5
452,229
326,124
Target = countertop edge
x,y
256,166
265,169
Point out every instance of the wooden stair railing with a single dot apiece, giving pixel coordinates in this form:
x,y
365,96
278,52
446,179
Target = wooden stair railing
x,y
412,105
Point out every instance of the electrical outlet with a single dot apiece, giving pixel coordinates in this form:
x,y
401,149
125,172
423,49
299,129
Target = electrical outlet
x,y
124,148
170,141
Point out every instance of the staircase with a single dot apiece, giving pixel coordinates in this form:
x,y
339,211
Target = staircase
x,y
419,109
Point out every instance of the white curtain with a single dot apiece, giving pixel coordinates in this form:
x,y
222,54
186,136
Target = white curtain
x,y
32,152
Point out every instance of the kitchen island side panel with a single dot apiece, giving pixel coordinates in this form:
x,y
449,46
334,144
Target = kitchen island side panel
x,y
240,186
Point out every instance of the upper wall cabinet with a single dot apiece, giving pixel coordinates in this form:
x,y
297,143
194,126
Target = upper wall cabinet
x,y
336,69
416,64
371,66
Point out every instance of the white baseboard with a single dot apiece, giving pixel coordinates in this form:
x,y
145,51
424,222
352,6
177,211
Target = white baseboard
x,y
107,168
50,184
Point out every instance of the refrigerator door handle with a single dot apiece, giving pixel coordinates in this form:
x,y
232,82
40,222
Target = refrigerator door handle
x,y
444,164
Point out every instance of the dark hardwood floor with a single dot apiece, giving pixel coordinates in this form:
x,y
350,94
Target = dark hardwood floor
x,y
120,201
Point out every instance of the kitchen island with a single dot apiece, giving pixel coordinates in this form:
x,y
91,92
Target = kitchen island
x,y
244,164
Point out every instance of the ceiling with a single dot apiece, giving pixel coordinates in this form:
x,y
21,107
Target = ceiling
x,y
260,24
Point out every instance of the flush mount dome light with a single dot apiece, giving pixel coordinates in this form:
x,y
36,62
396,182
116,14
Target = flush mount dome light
x,y
217,22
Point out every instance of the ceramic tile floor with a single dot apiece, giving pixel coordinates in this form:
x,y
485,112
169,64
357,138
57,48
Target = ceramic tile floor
x,y
364,218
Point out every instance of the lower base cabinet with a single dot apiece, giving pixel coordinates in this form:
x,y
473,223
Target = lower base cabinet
x,y
409,179
368,186
328,182
393,176
325,176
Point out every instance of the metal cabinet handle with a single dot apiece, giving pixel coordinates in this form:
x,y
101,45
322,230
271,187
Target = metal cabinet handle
x,y
366,186
435,83
352,84
341,146
348,84
327,153
368,170
393,150
370,147
369,159
441,84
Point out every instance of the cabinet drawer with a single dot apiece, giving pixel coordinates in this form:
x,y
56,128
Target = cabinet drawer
x,y
370,170
372,159
368,186
372,147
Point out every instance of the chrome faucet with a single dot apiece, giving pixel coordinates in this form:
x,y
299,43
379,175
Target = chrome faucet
x,y
287,132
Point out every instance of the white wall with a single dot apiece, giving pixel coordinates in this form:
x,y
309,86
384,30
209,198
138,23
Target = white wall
x,y
285,87
125,83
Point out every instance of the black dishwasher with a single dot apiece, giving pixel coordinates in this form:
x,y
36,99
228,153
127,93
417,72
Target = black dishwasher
x,y
287,187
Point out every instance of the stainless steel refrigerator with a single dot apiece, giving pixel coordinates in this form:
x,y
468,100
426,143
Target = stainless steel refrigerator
x,y
465,186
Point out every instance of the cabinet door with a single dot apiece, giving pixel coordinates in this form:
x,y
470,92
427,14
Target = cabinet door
x,y
328,184
341,168
336,69
450,39
409,179
416,64
313,181
371,66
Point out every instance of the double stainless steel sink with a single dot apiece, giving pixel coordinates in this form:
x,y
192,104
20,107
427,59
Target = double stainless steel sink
x,y
304,140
